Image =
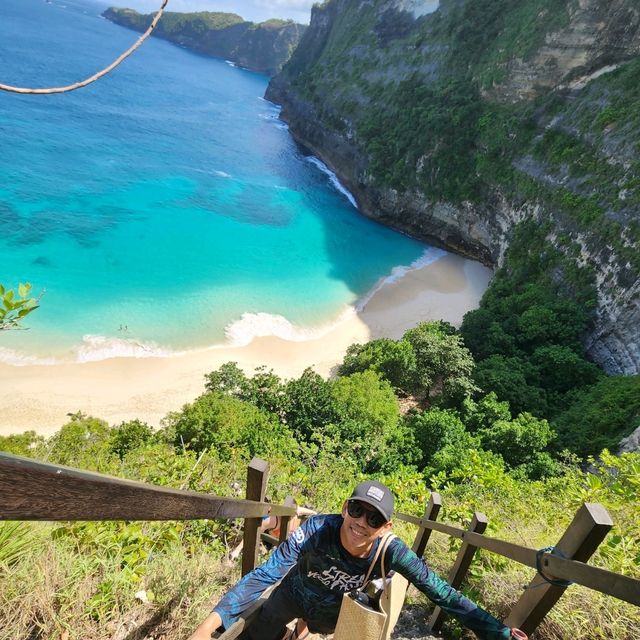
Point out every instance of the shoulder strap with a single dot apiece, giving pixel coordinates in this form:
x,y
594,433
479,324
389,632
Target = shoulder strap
x,y
382,549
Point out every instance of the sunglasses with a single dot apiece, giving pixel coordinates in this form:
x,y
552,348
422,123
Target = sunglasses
x,y
374,518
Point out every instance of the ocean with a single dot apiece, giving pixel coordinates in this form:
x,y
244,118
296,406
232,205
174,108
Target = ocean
x,y
165,207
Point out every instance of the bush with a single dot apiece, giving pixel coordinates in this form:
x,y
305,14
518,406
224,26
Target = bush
x,y
443,364
130,435
223,423
394,360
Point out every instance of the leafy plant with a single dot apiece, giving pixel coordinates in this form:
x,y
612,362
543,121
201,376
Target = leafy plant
x,y
15,305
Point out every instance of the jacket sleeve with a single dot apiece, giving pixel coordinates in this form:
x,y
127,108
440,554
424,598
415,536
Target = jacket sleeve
x,y
253,585
401,559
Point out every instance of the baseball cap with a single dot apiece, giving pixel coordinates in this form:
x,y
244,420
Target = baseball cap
x,y
375,494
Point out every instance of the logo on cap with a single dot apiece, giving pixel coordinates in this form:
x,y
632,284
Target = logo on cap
x,y
376,493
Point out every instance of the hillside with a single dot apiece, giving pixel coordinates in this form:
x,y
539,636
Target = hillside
x,y
473,123
262,47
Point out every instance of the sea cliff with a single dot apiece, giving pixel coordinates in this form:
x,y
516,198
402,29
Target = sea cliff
x,y
262,47
463,120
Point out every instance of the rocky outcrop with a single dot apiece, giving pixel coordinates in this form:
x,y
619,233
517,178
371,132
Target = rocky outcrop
x,y
631,444
366,75
263,47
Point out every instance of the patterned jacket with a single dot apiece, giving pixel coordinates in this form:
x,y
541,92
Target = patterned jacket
x,y
316,569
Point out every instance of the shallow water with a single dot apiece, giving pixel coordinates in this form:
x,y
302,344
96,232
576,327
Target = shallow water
x,y
165,204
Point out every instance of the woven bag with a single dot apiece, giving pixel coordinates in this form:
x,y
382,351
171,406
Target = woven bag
x,y
392,599
358,621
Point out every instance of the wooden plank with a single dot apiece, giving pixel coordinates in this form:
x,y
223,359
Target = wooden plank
x,y
454,532
32,490
587,530
461,566
286,520
613,584
257,476
430,513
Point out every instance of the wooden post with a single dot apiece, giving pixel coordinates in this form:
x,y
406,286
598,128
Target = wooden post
x,y
285,521
257,475
430,513
582,537
460,566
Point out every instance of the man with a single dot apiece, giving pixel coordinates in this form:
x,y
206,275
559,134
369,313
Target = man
x,y
327,556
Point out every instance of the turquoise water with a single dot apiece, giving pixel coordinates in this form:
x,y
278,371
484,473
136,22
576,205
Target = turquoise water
x,y
166,204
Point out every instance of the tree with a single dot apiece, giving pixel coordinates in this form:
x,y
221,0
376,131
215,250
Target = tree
x,y
443,363
484,413
130,435
223,423
394,360
264,389
82,442
14,308
509,379
368,414
309,404
518,441
437,428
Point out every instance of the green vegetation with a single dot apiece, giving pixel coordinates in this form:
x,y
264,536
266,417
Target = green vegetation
x,y
505,443
15,306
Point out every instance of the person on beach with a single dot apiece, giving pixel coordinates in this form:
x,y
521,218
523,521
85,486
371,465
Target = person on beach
x,y
327,556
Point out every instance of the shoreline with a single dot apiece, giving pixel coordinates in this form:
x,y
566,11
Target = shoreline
x,y
39,397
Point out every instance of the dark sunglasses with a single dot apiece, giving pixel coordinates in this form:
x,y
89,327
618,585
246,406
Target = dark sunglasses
x,y
374,518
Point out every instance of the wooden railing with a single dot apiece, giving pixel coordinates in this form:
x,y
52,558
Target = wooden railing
x,y
555,567
31,490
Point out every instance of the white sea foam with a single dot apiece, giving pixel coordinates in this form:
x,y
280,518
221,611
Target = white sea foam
x,y
102,347
333,179
8,356
429,255
231,64
259,325
222,174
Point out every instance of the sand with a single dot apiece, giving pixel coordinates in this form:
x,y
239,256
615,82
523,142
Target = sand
x,y
39,397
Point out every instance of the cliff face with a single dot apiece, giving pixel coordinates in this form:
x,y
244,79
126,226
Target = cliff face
x,y
458,120
263,47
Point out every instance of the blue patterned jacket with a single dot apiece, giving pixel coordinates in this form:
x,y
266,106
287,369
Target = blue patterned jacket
x,y
316,569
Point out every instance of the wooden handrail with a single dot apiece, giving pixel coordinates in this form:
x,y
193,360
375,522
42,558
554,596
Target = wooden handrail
x,y
613,584
31,490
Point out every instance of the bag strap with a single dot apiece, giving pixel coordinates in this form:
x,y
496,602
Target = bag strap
x,y
382,549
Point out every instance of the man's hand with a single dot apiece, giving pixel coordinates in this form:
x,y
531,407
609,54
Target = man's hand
x,y
207,627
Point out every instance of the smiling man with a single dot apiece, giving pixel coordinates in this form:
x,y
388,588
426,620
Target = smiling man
x,y
329,555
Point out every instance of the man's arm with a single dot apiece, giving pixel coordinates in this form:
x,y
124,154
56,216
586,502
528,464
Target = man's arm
x,y
251,587
207,627
440,592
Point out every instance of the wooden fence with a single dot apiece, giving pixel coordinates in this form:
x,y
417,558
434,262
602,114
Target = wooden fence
x,y
31,490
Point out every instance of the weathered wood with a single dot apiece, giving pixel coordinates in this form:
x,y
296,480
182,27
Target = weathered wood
x,y
257,476
587,530
285,521
431,513
613,584
460,566
454,532
31,490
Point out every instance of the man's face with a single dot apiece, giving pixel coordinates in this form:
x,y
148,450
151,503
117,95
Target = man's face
x,y
358,533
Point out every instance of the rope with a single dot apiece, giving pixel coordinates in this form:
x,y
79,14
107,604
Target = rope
x,y
553,581
96,76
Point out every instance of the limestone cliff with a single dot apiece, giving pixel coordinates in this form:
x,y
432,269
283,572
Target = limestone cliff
x,y
262,47
457,120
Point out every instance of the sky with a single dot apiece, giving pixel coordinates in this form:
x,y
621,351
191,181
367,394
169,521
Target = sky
x,y
254,10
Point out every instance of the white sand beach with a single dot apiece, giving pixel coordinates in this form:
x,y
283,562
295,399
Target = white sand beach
x,y
39,397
